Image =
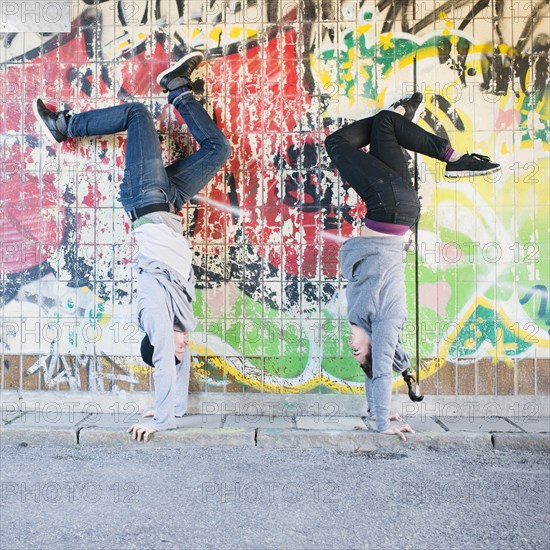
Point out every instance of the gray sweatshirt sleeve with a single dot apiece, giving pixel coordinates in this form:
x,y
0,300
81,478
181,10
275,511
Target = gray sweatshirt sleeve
x,y
183,369
156,322
368,395
402,359
385,334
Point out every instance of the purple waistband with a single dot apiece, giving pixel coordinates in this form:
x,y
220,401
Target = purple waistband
x,y
387,228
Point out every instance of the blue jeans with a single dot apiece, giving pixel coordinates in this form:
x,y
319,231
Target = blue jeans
x,y
146,181
381,177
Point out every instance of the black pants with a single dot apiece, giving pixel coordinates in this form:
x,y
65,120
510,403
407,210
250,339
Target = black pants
x,y
381,177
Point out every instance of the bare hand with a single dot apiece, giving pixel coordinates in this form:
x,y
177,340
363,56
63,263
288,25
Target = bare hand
x,y
141,432
398,430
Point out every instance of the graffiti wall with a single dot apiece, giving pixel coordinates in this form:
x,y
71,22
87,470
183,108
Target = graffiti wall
x,y
278,78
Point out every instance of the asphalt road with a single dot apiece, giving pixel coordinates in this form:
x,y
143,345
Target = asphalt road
x,y
69,497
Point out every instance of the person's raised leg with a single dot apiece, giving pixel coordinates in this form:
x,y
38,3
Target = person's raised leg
x,y
357,134
355,166
190,174
391,131
358,168
145,181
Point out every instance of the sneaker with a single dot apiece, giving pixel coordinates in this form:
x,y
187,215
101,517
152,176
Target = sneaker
x,y
54,123
414,394
179,74
414,106
470,165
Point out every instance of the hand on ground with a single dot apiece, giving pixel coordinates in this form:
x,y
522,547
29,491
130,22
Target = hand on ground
x,y
141,432
399,430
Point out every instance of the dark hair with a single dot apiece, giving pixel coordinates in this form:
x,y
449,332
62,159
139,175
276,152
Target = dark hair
x,y
147,349
367,365
178,326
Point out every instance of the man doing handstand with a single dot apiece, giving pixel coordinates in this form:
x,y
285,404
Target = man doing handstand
x,y
373,263
151,194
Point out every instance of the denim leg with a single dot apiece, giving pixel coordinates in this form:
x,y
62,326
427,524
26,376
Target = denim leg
x,y
190,174
145,181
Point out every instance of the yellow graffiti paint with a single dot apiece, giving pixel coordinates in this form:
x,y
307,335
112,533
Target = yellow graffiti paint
x,y
386,41
215,34
433,365
363,29
225,366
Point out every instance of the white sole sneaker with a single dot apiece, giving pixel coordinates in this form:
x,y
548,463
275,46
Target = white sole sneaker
x,y
183,60
419,111
470,173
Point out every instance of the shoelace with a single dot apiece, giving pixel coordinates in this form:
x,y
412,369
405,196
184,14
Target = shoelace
x,y
480,157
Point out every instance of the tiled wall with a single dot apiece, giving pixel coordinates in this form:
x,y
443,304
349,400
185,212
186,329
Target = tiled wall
x,y
279,77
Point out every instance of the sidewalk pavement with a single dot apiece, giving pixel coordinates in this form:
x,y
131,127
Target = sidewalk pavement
x,y
91,426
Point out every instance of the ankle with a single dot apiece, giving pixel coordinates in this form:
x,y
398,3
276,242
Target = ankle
x,y
400,110
68,117
179,91
456,155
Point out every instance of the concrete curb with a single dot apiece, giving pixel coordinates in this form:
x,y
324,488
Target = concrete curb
x,y
37,436
521,442
363,440
274,438
183,437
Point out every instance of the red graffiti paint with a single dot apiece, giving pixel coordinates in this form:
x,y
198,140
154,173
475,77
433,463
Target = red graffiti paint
x,y
259,100
31,220
262,102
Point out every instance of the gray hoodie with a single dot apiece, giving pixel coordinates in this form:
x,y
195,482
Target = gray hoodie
x,y
165,296
376,300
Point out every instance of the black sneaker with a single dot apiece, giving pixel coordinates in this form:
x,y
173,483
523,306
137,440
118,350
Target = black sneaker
x,y
179,74
54,123
414,106
470,165
414,394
